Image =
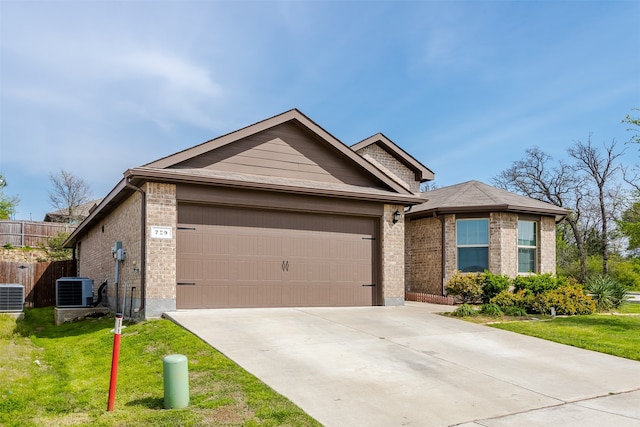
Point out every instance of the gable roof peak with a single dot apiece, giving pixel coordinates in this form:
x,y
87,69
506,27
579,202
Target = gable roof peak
x,y
422,172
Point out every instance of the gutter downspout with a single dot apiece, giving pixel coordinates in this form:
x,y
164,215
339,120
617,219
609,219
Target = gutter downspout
x,y
443,249
143,240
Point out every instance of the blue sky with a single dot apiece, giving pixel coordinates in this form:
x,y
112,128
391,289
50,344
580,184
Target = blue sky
x,y
465,87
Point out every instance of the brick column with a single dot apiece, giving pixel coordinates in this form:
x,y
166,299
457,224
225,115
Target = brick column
x,y
160,285
392,270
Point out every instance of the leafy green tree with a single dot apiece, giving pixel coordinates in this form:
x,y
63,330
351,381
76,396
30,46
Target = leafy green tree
x,y
634,122
8,204
629,225
631,176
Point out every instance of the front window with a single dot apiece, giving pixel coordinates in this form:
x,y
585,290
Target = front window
x,y
472,238
527,246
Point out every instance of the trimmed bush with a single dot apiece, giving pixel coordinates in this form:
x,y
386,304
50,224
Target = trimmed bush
x,y
493,285
509,299
491,310
567,300
464,310
466,286
538,283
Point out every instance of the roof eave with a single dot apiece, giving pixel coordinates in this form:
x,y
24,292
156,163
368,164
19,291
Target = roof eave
x,y
138,176
559,216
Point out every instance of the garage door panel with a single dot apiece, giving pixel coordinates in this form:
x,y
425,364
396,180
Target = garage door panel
x,y
271,259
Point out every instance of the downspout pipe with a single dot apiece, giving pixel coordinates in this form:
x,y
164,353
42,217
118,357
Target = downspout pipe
x,y
443,248
143,240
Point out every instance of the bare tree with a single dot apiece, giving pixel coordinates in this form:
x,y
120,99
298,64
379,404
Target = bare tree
x,y
537,177
68,193
602,168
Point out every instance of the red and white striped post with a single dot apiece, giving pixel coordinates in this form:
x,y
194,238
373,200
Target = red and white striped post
x,y
114,362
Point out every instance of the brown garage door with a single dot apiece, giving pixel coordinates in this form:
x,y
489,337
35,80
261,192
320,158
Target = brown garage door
x,y
230,257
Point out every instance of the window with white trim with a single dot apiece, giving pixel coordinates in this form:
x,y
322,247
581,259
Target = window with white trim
x,y
472,240
527,246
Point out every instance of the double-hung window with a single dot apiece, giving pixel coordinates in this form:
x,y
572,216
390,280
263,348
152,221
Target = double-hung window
x,y
527,246
472,239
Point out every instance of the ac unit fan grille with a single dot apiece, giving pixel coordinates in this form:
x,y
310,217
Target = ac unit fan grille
x,y
69,293
11,297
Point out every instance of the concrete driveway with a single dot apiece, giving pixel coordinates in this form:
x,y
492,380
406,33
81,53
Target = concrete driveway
x,y
407,366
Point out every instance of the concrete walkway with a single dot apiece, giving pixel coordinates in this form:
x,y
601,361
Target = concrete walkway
x,y
407,366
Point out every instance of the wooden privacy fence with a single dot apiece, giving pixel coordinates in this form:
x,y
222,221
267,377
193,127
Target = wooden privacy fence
x,y
30,233
38,279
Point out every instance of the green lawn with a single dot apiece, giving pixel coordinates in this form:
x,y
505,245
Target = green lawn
x,y
618,335
59,376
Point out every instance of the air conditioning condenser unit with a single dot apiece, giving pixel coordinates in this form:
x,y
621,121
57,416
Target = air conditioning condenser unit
x,y
74,292
11,297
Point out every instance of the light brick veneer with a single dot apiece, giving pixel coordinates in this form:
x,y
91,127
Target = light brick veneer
x,y
392,257
389,164
547,246
423,255
94,252
95,259
160,276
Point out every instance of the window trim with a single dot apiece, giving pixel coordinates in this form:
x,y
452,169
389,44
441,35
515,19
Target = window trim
x,y
536,247
475,245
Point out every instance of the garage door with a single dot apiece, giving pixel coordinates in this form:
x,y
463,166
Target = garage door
x,y
230,257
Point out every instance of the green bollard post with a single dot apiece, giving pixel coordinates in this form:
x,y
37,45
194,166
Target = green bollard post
x,y
176,381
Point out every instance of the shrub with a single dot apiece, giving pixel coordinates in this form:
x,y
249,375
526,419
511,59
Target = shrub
x,y
54,247
607,292
491,310
510,299
538,283
464,310
515,311
493,285
567,300
466,286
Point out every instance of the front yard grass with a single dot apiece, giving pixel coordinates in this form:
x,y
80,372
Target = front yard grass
x,y
617,334
59,376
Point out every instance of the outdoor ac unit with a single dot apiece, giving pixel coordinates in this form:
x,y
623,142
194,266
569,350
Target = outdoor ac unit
x,y
11,297
74,292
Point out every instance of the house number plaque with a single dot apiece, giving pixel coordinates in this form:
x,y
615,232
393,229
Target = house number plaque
x,y
161,232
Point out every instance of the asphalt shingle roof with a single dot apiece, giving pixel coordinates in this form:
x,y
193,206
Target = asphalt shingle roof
x,y
473,196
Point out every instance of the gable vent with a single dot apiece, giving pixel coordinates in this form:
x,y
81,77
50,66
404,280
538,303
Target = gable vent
x,y
11,297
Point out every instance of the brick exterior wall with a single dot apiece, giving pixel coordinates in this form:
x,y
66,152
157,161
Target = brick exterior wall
x,y
391,166
424,247
160,286
547,246
95,259
451,248
503,243
124,224
392,259
423,256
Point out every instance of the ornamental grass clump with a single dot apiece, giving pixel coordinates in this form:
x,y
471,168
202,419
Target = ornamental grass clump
x,y
491,310
607,292
464,310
